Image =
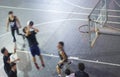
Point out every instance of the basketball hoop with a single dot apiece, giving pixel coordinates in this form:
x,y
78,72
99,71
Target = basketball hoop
x,y
83,29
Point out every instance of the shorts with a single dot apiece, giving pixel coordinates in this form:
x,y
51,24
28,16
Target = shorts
x,y
35,50
62,64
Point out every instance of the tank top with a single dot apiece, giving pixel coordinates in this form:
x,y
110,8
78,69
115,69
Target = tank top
x,y
12,23
61,57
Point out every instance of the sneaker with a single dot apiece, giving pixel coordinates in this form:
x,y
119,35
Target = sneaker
x,y
36,65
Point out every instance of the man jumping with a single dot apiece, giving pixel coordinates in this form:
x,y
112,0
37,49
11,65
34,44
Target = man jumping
x,y
33,44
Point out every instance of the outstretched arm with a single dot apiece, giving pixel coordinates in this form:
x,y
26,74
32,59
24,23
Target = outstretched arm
x,y
8,61
27,31
35,29
18,22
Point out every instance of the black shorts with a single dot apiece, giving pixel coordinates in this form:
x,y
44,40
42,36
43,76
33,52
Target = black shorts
x,y
35,50
61,65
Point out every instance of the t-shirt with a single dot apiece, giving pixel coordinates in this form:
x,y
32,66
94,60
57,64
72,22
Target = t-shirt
x,y
71,75
12,23
13,74
81,74
5,59
32,39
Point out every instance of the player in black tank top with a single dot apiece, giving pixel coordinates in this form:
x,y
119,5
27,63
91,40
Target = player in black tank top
x,y
12,21
33,43
63,58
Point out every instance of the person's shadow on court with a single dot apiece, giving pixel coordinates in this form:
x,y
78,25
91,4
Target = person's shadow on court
x,y
25,63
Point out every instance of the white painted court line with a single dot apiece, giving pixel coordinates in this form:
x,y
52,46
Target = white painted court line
x,y
49,22
78,59
92,61
2,35
30,9
61,20
33,9
72,4
54,11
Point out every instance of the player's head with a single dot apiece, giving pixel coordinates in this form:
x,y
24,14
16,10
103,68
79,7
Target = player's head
x,y
30,23
67,72
81,66
24,29
4,51
13,65
10,13
60,45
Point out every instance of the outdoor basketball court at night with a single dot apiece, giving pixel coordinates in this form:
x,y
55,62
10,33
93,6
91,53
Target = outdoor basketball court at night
x,y
90,30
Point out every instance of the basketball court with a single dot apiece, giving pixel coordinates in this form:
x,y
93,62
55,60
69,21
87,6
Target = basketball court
x,y
96,43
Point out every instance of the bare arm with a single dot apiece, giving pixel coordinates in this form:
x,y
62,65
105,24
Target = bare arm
x,y
27,31
13,61
35,29
7,24
8,61
14,53
18,22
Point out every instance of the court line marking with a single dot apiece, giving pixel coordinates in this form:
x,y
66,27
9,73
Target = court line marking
x,y
78,59
33,9
49,22
53,11
75,5
61,20
20,8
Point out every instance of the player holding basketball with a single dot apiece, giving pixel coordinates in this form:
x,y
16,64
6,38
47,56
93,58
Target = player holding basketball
x,y
33,44
14,23
63,57
6,60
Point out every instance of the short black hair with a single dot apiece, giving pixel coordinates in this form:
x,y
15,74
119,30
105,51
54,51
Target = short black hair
x,y
10,12
24,29
67,72
12,64
61,43
31,23
81,66
3,50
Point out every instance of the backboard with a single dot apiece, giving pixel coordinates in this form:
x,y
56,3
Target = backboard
x,y
97,19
